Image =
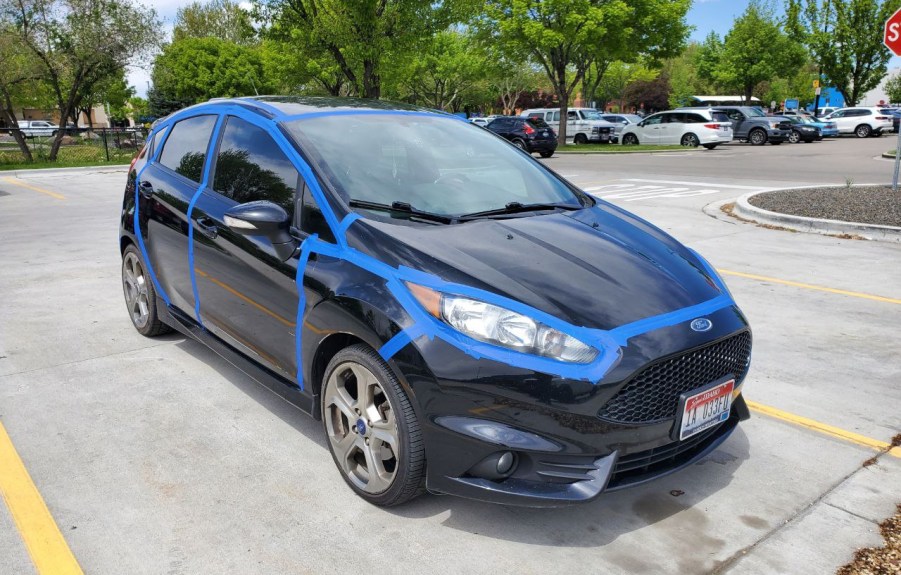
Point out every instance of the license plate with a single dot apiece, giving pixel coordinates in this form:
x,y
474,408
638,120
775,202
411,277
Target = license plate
x,y
705,409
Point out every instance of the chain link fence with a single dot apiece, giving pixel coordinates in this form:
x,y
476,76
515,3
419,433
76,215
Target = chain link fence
x,y
79,145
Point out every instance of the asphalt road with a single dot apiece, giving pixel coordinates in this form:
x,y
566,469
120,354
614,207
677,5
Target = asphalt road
x,y
155,456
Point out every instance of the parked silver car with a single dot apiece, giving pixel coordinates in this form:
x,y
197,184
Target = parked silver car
x,y
38,128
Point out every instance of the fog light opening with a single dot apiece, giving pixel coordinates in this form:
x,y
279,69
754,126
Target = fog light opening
x,y
505,463
497,466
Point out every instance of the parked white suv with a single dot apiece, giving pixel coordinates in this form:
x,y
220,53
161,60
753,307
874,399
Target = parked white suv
x,y
584,125
38,128
691,127
861,121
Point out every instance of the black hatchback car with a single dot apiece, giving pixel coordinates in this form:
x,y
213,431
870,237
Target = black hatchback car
x,y
462,319
528,134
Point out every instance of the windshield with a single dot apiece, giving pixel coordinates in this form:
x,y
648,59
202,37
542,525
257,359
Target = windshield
x,y
592,115
432,163
755,112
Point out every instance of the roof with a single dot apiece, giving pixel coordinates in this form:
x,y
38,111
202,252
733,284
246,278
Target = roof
x,y
753,99
294,105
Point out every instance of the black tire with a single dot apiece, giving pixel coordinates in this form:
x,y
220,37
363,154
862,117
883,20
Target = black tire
x,y
689,140
775,143
521,145
710,146
580,139
794,137
630,140
863,131
409,467
138,289
546,154
757,137
53,133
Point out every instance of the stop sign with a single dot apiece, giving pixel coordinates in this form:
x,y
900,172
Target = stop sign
x,y
892,38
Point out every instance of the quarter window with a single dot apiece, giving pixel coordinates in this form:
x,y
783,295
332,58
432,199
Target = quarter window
x,y
185,148
251,167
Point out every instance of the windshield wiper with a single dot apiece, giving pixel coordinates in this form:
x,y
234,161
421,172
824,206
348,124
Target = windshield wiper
x,y
517,208
403,208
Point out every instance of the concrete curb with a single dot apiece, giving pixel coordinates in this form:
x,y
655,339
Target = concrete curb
x,y
745,210
71,170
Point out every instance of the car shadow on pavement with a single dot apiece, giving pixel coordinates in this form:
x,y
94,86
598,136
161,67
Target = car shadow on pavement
x,y
605,519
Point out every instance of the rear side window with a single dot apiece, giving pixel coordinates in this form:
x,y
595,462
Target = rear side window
x,y
251,167
185,148
538,123
719,116
155,142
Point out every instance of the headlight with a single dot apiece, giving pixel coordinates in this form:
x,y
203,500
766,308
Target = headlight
x,y
500,326
774,125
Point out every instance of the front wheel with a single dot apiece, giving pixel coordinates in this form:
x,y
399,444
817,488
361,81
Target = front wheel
x,y
710,146
140,295
630,140
372,430
757,137
690,141
863,131
580,139
794,137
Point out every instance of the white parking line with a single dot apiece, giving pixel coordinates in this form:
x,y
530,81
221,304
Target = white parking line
x,y
631,192
680,183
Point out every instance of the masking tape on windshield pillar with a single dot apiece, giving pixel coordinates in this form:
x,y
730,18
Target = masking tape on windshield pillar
x,y
206,180
137,222
305,250
312,115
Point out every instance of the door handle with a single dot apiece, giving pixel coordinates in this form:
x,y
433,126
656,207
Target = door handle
x,y
207,227
146,189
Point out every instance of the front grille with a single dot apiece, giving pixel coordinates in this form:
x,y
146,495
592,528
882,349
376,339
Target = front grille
x,y
653,394
644,465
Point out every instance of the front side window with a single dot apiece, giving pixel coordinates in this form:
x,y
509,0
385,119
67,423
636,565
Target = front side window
x,y
655,119
432,163
251,167
185,149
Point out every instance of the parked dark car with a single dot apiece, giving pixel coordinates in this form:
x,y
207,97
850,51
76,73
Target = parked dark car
x,y
461,318
895,115
802,131
528,134
751,125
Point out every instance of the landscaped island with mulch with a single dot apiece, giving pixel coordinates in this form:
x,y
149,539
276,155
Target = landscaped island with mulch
x,y
861,204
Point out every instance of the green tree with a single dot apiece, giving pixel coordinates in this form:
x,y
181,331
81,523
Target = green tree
x,y
223,19
845,38
565,37
440,75
359,36
79,43
19,73
617,78
893,88
755,50
197,69
509,80
685,77
139,108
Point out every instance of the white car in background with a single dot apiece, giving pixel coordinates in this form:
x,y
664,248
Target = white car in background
x,y
863,121
687,127
38,128
583,125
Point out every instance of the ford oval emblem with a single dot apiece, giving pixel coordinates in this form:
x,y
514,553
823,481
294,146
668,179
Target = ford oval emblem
x,y
701,324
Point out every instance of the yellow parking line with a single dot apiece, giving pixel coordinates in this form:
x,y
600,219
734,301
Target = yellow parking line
x,y
811,286
21,184
824,428
46,546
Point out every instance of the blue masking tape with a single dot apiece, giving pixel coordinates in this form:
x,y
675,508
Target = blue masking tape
x,y
137,222
608,342
305,250
311,115
206,178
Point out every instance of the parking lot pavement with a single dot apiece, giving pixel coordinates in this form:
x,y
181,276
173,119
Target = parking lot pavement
x,y
155,456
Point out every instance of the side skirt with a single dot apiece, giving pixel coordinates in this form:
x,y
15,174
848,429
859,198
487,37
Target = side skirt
x,y
275,383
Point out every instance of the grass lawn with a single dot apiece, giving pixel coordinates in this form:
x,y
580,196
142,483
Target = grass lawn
x,y
69,156
616,149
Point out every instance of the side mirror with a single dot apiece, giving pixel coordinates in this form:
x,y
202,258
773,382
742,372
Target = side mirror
x,y
263,218
642,124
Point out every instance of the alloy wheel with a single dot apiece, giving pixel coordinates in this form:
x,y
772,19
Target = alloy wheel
x,y
794,137
361,427
690,141
134,282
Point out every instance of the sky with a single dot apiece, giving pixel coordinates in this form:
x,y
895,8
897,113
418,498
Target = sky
x,y
705,16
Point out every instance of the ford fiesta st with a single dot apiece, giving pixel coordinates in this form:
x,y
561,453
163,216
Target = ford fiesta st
x,y
462,319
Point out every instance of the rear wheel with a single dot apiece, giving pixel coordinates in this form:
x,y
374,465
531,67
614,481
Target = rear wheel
x,y
520,144
690,141
863,131
546,154
757,137
630,140
710,146
140,296
372,430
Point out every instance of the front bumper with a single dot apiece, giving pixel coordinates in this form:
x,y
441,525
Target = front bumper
x,y
472,411
777,135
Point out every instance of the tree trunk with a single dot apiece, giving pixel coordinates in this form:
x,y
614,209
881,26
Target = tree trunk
x,y
372,85
10,118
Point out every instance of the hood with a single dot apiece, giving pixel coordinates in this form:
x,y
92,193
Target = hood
x,y
597,267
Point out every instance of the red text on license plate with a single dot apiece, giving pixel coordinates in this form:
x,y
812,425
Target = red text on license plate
x,y
705,409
